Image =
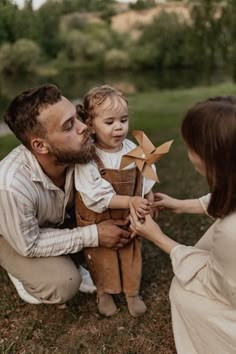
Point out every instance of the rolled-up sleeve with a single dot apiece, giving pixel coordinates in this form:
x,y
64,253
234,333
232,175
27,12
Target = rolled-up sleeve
x,y
95,191
20,227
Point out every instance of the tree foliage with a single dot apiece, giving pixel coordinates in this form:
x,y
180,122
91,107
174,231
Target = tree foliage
x,y
61,33
19,58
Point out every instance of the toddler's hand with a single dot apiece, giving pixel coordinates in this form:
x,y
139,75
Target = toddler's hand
x,y
140,205
154,212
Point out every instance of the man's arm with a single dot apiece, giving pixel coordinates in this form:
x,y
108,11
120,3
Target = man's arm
x,y
19,226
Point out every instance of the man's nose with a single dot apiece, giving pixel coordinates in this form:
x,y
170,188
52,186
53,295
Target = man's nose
x,y
81,127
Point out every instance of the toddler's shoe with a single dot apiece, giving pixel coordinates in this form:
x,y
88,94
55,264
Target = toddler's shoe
x,y
24,295
106,304
86,285
136,305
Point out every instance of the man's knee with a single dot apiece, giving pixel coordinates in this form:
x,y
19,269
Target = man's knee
x,y
59,289
65,287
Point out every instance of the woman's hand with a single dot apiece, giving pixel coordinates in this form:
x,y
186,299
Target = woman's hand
x,y
144,227
151,231
165,202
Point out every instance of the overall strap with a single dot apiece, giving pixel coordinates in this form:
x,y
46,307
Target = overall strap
x,y
100,165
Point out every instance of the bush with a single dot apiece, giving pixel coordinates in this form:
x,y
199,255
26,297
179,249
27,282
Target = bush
x,y
117,59
19,58
162,43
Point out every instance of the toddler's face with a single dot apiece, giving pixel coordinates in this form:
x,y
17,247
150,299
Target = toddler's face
x,y
111,124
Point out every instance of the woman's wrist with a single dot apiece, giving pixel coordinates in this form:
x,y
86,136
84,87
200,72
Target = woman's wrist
x,y
191,206
164,242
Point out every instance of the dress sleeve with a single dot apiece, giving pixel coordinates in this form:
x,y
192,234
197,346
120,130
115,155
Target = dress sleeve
x,y
95,191
209,273
205,200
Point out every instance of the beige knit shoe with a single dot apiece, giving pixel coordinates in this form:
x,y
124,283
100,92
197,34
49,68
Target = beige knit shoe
x,y
106,304
136,305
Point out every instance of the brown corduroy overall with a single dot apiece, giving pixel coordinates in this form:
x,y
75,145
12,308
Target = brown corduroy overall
x,y
114,271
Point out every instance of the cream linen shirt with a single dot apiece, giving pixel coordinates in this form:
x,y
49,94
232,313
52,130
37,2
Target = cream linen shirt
x,y
32,209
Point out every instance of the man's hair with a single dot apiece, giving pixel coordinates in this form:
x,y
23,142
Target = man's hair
x,y
95,98
23,111
209,129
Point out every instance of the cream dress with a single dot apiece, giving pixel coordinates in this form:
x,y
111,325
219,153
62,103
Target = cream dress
x,y
203,291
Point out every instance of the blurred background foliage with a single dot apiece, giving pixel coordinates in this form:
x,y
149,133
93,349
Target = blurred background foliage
x,y
67,36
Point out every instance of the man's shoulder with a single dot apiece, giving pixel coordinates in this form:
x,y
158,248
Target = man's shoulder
x,y
12,167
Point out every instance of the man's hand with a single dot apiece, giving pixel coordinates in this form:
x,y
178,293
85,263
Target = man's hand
x,y
111,234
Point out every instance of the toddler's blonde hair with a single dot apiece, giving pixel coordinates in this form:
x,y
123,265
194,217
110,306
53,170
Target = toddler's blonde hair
x,y
95,98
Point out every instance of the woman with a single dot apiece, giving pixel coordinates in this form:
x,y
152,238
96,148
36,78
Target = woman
x,y
203,291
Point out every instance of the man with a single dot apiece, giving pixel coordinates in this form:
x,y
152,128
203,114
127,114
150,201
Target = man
x,y
36,195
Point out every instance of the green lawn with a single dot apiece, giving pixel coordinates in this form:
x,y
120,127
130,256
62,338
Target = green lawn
x,y
79,328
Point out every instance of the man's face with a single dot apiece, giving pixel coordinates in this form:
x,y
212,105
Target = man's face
x,y
68,139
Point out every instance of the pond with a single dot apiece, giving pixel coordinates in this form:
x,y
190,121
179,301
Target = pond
x,y
75,84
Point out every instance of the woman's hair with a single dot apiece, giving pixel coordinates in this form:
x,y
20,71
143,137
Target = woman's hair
x,y
209,130
22,113
95,98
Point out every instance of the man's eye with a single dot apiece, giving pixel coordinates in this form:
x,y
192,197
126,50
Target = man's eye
x,y
69,126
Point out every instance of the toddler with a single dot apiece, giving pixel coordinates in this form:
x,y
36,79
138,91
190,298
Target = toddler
x,y
104,192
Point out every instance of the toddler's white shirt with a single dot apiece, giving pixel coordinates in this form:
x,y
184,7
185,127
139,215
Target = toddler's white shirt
x,y
95,191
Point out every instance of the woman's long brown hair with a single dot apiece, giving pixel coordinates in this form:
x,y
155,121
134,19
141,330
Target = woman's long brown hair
x,y
209,129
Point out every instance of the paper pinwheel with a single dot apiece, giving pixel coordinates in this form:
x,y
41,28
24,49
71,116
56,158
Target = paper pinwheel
x,y
145,154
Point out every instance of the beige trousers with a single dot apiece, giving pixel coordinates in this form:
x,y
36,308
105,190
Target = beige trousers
x,y
51,280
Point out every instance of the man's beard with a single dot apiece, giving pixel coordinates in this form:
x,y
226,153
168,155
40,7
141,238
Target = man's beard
x,y
85,155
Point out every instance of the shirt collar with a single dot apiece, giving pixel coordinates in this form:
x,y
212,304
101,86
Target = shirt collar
x,y
37,174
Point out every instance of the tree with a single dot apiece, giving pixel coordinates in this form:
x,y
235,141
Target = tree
x,y
208,34
162,43
19,58
8,14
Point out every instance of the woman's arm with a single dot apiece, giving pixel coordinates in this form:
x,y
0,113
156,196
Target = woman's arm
x,y
178,206
151,231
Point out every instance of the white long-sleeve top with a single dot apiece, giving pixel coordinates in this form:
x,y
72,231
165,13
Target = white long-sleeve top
x,y
95,191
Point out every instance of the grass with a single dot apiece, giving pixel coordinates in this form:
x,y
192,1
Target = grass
x,y
79,328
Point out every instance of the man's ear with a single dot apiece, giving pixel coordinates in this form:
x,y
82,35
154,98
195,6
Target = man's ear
x,y
39,146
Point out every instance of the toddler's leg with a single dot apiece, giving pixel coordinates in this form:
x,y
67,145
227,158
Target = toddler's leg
x,y
103,265
106,304
131,268
136,305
